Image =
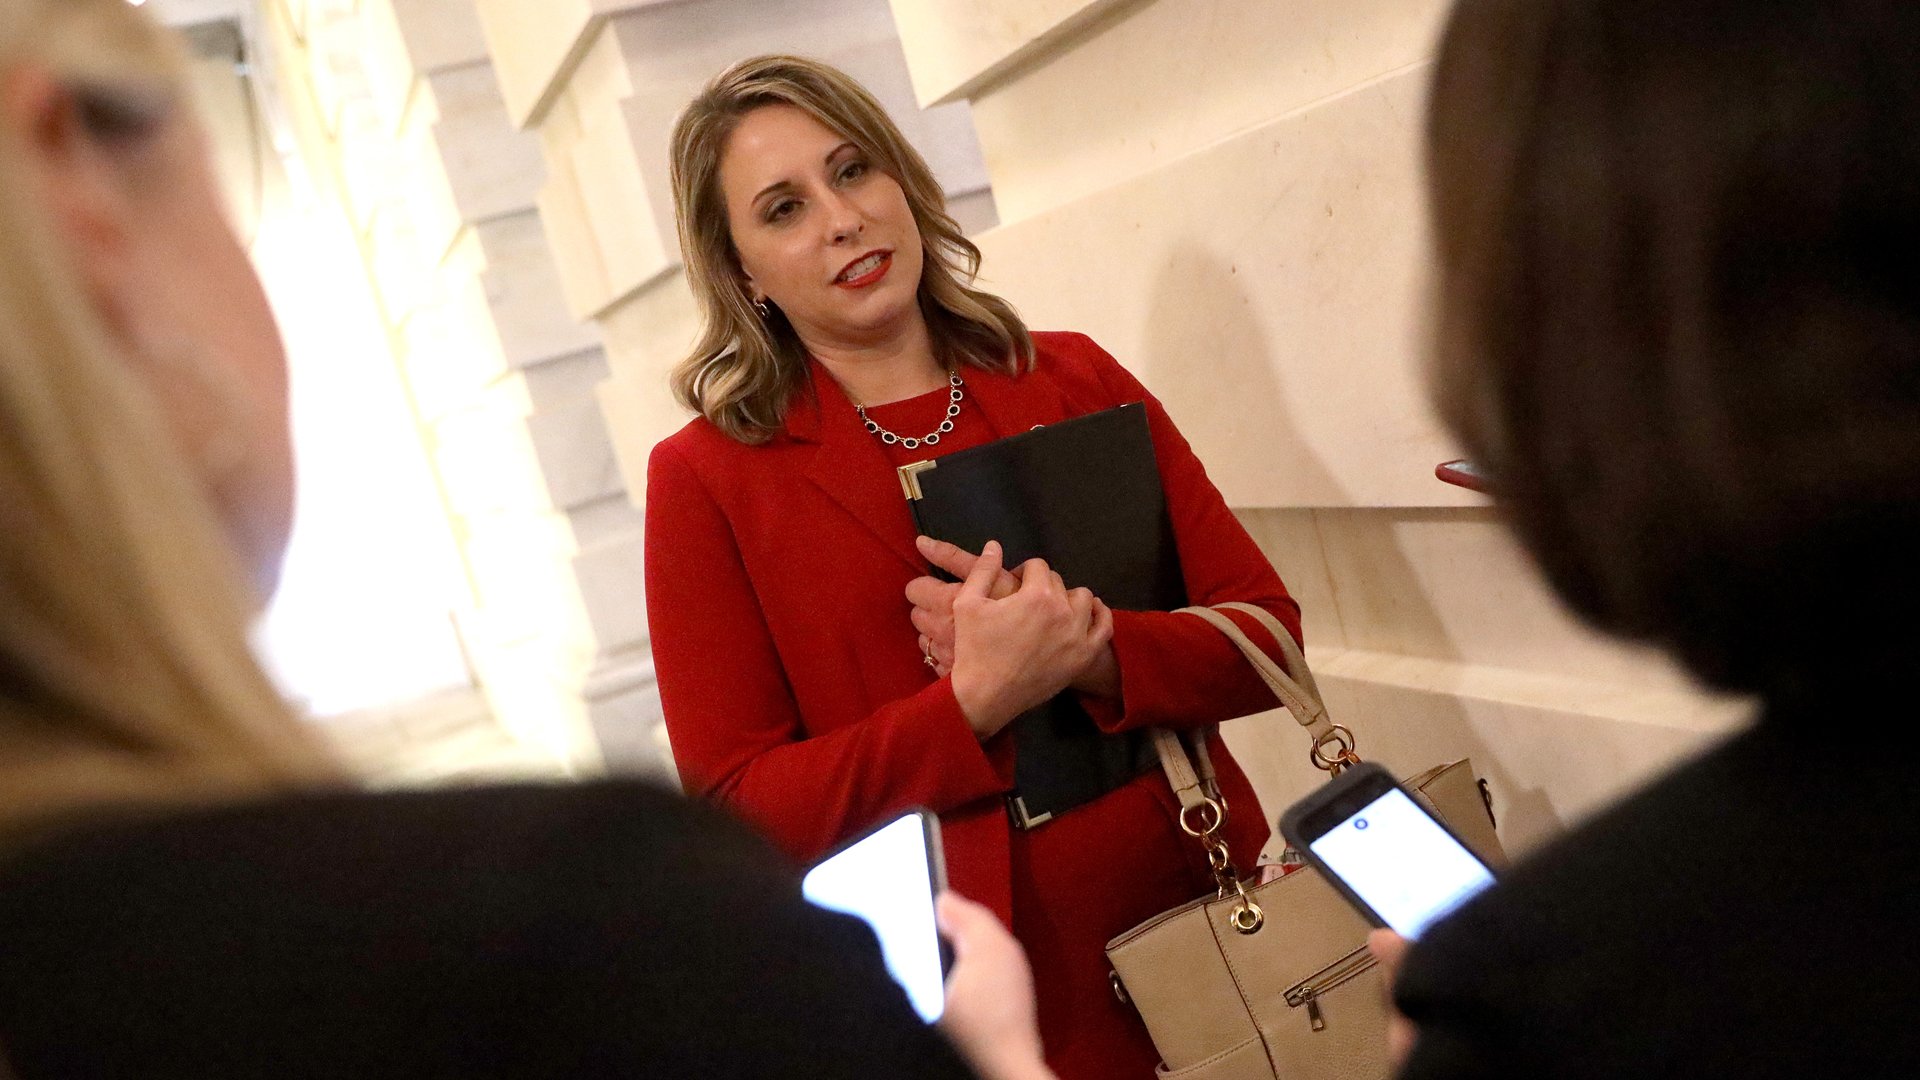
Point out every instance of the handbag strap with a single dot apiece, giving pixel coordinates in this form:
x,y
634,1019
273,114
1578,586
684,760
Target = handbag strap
x,y
1299,693
1191,775
1193,788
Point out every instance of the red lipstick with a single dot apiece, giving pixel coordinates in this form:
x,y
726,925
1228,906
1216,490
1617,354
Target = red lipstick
x,y
867,269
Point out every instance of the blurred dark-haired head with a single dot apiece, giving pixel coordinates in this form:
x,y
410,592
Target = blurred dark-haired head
x,y
1679,314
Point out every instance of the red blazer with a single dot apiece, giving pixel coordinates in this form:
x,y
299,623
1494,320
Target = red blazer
x,y
794,688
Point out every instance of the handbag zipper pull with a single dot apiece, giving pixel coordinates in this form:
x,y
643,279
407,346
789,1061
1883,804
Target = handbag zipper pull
x,y
1314,1018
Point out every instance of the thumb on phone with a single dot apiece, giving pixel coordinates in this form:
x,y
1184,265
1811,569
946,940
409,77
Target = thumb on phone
x,y
1390,949
990,1014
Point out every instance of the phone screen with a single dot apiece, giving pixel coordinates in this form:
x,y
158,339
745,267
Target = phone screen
x,y
1407,868
888,879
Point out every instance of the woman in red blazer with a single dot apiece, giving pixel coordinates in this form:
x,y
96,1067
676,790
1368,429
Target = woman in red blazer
x,y
843,340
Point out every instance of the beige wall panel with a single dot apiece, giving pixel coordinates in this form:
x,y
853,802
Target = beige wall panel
x,y
455,342
612,581
1291,540
1553,750
522,288
535,45
1197,71
494,458
678,47
569,379
535,695
521,565
605,521
390,71
439,34
1267,290
640,412
405,40
576,252
487,464
669,53
634,239
373,173
429,192
408,40
974,211
531,43
601,80
402,267
446,354
1438,632
650,332
957,47
334,72
560,128
575,454
1453,585
627,717
492,168
647,335
297,16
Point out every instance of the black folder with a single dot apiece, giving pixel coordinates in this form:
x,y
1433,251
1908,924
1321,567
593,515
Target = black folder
x,y
1083,494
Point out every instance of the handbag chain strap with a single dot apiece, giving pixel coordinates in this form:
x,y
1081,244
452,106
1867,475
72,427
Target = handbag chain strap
x,y
1203,809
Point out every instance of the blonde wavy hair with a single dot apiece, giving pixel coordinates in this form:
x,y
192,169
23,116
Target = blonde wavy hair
x,y
745,369
125,672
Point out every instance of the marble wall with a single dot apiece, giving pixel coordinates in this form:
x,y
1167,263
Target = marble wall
x,y
399,106
1240,219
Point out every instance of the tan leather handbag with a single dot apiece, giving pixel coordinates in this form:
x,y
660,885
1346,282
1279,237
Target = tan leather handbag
x,y
1272,981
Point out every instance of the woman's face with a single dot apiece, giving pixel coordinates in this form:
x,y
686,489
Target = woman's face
x,y
213,298
150,238
820,232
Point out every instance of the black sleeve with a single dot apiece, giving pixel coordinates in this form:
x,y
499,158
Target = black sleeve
x,y
739,976
611,930
1444,1054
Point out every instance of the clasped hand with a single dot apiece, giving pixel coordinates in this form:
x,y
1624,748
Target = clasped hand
x,y
1010,639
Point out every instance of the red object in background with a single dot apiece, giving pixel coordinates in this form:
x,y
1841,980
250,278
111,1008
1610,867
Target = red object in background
x,y
1464,473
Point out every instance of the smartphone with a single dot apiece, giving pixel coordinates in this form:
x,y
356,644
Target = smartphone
x,y
1396,862
1466,474
889,878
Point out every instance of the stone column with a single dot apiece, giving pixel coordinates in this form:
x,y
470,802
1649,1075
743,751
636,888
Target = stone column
x,y
1227,194
600,83
399,101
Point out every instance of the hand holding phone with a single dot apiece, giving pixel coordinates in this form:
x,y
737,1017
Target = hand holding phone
x,y
1396,862
889,878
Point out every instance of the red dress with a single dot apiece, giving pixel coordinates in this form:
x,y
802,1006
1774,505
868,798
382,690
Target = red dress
x,y
796,695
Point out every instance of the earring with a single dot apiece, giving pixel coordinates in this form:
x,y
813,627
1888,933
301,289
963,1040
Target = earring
x,y
761,307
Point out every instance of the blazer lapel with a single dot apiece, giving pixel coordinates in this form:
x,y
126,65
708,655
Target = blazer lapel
x,y
852,468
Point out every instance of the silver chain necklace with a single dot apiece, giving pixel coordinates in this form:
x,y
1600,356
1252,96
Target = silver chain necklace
x,y
955,396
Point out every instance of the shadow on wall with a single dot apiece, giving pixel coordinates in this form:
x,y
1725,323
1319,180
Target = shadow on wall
x,y
1220,374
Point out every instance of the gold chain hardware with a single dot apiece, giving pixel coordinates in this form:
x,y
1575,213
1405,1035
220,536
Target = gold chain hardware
x,y
1335,763
1246,916
1211,828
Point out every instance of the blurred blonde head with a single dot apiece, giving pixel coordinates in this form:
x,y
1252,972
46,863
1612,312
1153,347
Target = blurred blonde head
x,y
125,671
745,367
